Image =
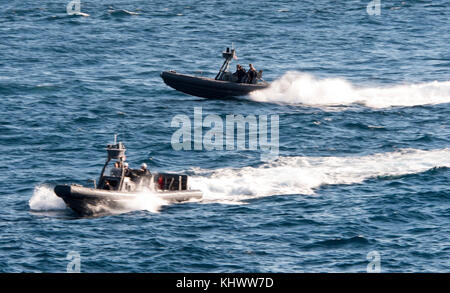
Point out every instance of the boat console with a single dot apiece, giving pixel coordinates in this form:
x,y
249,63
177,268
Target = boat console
x,y
129,180
228,55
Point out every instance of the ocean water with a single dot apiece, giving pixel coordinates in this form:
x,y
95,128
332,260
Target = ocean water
x,y
364,141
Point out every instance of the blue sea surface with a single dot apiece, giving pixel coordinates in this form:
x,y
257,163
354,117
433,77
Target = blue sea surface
x,y
364,139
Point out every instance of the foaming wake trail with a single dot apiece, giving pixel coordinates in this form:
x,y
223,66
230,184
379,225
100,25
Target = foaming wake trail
x,y
302,175
302,88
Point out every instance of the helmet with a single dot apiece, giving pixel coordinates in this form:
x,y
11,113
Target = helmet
x,y
125,165
144,165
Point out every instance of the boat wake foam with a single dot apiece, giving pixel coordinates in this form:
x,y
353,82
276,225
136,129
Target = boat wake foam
x,y
301,88
303,175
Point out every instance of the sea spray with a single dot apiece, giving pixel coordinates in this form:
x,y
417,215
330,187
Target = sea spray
x,y
44,199
305,89
147,200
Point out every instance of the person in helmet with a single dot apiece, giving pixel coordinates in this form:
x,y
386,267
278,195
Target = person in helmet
x,y
144,170
126,170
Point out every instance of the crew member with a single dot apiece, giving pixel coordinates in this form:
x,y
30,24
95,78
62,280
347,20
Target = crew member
x,y
107,186
240,73
144,170
116,172
251,74
126,169
161,182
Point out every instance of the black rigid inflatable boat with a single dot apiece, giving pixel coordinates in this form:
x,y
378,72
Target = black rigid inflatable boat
x,y
208,87
223,86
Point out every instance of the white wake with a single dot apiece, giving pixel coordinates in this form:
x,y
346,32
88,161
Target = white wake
x,y
302,175
305,89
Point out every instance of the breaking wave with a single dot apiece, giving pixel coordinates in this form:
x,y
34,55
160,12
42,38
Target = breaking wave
x,y
302,88
302,175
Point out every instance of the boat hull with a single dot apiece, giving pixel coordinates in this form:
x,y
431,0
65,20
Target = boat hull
x,y
208,87
89,201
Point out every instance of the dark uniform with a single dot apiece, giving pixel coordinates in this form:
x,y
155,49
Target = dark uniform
x,y
252,74
240,73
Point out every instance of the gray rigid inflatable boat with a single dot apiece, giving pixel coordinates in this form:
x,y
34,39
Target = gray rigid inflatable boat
x,y
115,191
87,201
